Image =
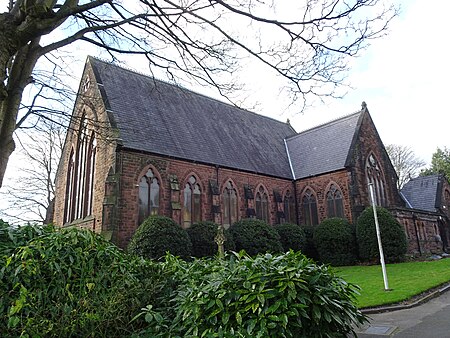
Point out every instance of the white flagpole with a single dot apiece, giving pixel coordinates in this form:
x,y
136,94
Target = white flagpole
x,y
380,246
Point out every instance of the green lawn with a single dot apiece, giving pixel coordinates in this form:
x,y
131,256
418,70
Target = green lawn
x,y
405,280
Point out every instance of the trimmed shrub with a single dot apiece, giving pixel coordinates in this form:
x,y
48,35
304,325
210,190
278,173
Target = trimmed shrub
x,y
74,283
158,235
284,295
292,236
310,249
335,242
202,236
255,236
393,236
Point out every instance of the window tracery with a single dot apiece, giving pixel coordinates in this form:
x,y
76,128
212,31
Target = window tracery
x,y
309,208
335,206
148,196
375,177
192,202
230,205
262,204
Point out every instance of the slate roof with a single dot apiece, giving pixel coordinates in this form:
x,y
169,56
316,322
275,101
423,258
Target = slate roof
x,y
161,118
423,192
324,148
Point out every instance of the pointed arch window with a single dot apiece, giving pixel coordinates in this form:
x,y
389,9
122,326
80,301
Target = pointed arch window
x,y
289,208
335,206
80,175
192,202
68,208
375,176
230,205
309,208
262,205
148,196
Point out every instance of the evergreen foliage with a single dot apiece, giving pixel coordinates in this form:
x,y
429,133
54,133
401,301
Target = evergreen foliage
x,y
202,236
255,236
393,236
292,236
158,235
310,249
335,242
283,295
13,237
74,283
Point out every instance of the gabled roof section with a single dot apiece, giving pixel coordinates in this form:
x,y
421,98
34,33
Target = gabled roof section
x,y
423,192
157,117
324,148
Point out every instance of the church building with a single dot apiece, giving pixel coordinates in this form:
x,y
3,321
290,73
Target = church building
x,y
137,146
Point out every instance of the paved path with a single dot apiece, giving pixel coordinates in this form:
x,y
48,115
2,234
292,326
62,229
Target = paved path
x,y
429,320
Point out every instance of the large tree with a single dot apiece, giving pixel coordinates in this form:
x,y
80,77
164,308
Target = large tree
x,y
405,162
440,163
305,43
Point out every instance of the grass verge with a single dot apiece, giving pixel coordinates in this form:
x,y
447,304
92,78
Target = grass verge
x,y
405,280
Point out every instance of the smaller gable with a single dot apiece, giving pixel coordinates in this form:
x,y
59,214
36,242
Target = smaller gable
x,y
422,192
324,148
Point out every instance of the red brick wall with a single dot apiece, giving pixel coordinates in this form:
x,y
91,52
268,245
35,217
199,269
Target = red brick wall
x,y
320,186
422,231
133,165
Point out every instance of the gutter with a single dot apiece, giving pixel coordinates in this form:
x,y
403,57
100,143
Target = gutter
x,y
289,159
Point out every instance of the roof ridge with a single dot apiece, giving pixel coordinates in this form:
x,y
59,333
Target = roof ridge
x,y
130,69
330,122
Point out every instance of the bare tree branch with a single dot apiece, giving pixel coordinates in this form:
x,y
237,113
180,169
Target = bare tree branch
x,y
206,41
405,163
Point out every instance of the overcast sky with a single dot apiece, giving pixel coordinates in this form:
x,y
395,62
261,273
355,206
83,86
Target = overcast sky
x,y
402,78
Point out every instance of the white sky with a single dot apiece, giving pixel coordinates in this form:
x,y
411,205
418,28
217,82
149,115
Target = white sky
x,y
402,78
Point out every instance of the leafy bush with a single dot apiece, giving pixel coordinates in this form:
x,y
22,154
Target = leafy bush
x,y
158,235
292,236
74,283
202,236
255,236
14,237
309,249
267,296
335,242
393,236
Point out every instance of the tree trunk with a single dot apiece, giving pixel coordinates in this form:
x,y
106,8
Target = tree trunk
x,y
18,78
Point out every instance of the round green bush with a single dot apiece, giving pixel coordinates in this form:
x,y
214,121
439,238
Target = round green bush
x,y
292,236
255,236
335,242
74,283
202,235
309,249
393,236
158,235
